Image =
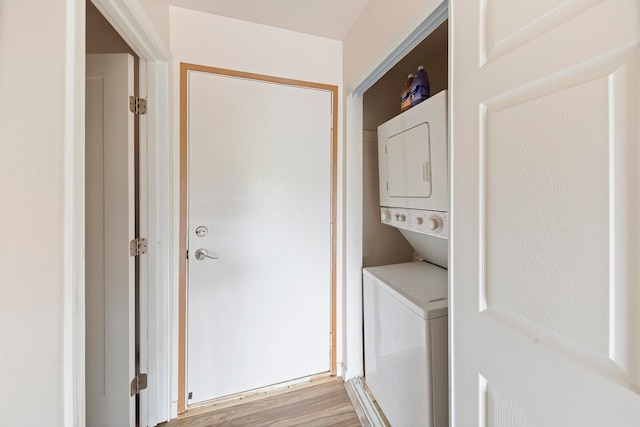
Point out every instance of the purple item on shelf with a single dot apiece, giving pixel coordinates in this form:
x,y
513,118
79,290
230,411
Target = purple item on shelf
x,y
420,87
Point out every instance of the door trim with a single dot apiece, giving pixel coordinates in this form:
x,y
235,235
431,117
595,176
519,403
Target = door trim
x,y
182,289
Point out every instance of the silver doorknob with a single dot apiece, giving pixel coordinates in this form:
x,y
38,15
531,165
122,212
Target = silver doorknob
x,y
202,254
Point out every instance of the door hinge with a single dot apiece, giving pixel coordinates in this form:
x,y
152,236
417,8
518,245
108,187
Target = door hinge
x,y
138,384
138,246
137,105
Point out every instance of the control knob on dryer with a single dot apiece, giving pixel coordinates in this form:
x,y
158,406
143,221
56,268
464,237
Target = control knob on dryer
x,y
418,220
434,223
399,217
384,215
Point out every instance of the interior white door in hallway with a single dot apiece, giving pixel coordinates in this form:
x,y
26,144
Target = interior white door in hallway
x,y
545,206
110,299
259,298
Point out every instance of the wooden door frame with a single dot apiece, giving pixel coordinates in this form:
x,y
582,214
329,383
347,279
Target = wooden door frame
x,y
182,289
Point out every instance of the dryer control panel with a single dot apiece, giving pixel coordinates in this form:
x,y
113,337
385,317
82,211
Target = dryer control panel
x,y
433,223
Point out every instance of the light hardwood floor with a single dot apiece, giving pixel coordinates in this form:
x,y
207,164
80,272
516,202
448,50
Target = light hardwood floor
x,y
322,405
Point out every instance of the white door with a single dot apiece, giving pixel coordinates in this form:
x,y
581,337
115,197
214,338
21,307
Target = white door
x,y
110,316
260,203
545,271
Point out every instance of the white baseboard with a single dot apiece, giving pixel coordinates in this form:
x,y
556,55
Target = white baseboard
x,y
174,410
347,374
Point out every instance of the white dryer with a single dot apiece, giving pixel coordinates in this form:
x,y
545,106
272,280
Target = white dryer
x,y
413,169
405,339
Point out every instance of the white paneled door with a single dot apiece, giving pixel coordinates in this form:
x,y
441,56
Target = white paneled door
x,y
259,241
545,271
110,299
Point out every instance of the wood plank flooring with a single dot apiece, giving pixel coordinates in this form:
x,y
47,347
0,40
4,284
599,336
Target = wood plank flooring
x,y
324,405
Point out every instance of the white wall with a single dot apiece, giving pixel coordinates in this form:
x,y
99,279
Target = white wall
x,y
380,29
38,53
216,41
158,12
42,45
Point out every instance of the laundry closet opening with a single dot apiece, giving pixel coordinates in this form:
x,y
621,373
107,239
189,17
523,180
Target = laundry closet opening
x,y
405,236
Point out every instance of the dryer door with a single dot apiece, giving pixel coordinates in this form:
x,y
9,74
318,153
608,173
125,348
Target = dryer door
x,y
409,163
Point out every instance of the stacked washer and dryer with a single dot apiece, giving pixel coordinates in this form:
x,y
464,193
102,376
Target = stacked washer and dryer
x,y
406,305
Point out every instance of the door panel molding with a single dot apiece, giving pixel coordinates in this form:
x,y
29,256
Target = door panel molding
x,y
185,68
501,36
598,331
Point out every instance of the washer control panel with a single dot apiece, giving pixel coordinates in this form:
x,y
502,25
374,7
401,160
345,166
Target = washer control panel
x,y
433,223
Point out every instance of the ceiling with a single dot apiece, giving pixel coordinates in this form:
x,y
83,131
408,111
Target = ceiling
x,y
325,18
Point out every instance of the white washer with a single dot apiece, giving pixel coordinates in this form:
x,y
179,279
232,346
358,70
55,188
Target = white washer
x,y
405,324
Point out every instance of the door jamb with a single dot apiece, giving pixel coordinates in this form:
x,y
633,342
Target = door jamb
x,y
182,251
